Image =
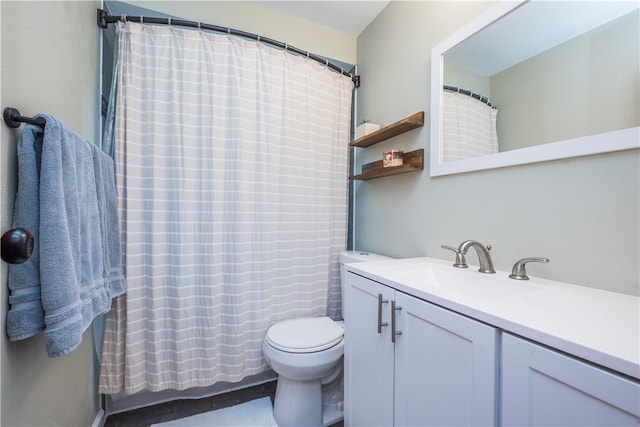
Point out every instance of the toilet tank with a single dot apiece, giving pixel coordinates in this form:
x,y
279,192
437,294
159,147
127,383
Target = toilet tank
x,y
347,257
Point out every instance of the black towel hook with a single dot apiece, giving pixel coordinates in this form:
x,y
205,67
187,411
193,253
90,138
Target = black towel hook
x,y
13,119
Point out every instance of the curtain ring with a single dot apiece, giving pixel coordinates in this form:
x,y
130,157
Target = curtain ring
x,y
258,37
199,25
229,30
142,19
170,23
123,17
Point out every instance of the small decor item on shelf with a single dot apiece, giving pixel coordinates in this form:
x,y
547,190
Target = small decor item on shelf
x,y
392,158
365,128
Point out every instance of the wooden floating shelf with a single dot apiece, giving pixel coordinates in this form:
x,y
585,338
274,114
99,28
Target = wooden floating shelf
x,y
408,123
412,161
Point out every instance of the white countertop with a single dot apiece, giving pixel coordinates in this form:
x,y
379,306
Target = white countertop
x,y
599,326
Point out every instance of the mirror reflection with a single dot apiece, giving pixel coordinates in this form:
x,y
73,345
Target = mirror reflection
x,y
544,72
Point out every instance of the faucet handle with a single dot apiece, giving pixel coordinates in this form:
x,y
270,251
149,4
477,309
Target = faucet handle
x,y
461,262
519,272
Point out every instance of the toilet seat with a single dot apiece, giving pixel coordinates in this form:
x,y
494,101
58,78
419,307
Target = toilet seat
x,y
305,335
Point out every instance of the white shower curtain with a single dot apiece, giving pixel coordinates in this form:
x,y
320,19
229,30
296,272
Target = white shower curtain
x,y
231,162
468,127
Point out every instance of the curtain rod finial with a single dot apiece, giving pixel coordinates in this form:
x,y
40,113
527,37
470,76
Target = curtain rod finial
x,y
101,18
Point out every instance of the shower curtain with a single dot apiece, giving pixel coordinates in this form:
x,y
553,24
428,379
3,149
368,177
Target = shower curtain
x,y
231,161
468,127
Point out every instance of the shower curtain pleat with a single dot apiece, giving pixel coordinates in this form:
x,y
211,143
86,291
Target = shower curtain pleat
x,y
231,162
468,127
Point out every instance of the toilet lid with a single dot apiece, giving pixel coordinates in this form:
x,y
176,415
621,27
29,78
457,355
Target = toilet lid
x,y
305,335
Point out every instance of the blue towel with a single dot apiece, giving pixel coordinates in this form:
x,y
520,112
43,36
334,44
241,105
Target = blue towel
x,y
78,268
26,317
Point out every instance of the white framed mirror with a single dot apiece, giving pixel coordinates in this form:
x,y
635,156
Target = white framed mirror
x,y
563,78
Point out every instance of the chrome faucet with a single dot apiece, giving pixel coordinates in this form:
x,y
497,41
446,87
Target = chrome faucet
x,y
486,265
519,272
461,262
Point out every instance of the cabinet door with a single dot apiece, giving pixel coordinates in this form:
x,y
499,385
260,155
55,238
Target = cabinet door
x,y
368,355
445,367
543,387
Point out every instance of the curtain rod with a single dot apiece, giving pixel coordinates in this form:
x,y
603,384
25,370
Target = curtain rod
x,y
103,19
469,93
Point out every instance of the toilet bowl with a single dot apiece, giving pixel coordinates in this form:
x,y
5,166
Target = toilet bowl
x,y
302,352
306,353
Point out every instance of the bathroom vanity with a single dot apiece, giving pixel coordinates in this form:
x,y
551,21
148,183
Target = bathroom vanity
x,y
430,344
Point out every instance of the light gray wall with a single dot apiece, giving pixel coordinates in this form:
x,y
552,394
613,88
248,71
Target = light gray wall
x,y
49,64
465,79
249,16
585,86
582,213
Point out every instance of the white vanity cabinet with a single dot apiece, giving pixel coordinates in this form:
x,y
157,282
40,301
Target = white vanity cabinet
x,y
483,349
368,355
441,369
543,387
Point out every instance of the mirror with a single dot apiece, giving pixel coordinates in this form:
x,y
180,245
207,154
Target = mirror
x,y
563,78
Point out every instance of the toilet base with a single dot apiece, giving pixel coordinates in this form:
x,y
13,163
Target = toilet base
x,y
298,403
333,400
331,415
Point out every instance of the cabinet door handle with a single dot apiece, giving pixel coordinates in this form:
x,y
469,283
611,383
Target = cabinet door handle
x,y
394,333
380,322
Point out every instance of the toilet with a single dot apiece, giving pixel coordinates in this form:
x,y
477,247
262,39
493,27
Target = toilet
x,y
306,353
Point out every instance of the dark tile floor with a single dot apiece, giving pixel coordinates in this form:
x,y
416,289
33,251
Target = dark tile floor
x,y
145,417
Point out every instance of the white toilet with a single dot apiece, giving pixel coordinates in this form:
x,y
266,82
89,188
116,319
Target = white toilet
x,y
306,353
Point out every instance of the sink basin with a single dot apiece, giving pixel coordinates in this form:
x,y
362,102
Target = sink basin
x,y
437,277
593,324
